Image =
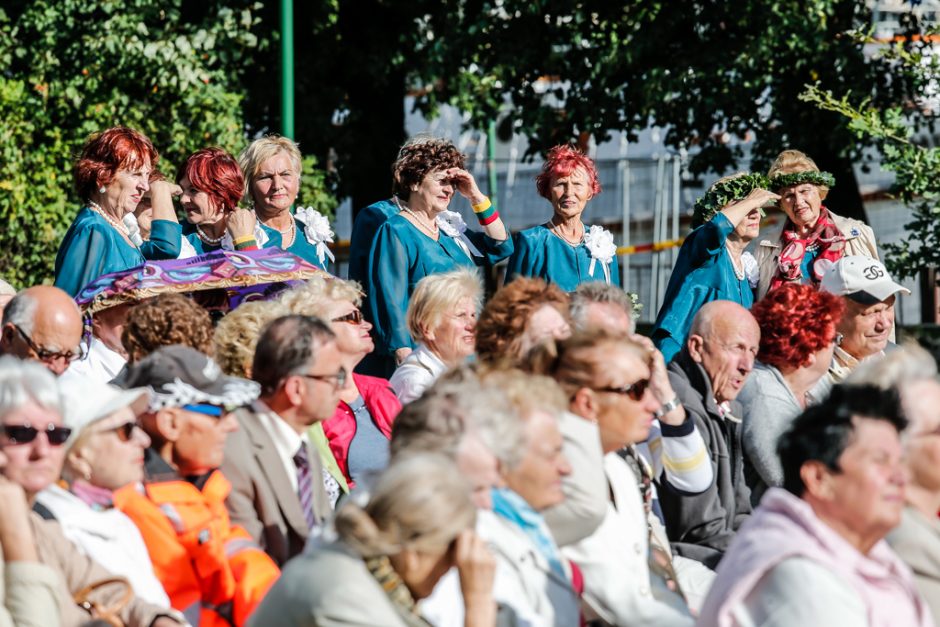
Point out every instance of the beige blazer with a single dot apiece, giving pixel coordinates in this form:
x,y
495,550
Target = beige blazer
x,y
328,586
263,500
859,240
917,541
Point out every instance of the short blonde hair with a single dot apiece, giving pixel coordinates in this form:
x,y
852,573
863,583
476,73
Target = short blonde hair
x,y
262,149
436,295
793,161
317,295
236,335
420,502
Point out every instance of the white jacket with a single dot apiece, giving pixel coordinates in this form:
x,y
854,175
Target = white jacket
x,y
416,374
108,537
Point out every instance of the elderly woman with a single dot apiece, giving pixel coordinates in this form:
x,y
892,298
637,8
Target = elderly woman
x,y
236,335
712,263
272,168
104,453
425,238
520,316
913,373
212,184
164,320
388,554
822,533
33,438
607,379
358,433
564,250
812,237
442,317
116,168
797,338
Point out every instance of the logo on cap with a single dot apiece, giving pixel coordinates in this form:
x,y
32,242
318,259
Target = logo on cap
x,y
873,272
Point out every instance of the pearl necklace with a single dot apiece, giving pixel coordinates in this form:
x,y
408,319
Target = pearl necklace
x,y
287,235
208,240
554,229
118,226
738,273
433,227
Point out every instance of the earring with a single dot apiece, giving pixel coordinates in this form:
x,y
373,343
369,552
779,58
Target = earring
x,y
102,189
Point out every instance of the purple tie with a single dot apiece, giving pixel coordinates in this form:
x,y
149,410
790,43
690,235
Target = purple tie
x,y
305,485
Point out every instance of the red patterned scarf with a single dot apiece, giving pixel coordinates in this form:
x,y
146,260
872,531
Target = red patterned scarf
x,y
825,237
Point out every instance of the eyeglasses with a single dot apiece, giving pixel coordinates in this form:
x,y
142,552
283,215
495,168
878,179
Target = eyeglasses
x,y
353,317
208,409
635,390
124,432
47,355
24,434
338,379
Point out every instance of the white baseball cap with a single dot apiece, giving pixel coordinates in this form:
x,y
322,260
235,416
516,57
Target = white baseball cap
x,y
86,400
863,279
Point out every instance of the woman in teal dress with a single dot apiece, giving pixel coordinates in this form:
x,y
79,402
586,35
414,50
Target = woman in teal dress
x,y
424,238
212,184
113,174
712,263
272,168
564,250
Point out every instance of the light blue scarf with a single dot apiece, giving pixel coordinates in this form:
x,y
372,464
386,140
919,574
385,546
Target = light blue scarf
x,y
512,507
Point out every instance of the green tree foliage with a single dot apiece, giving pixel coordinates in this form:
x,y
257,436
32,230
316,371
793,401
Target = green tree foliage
x,y
902,132
173,69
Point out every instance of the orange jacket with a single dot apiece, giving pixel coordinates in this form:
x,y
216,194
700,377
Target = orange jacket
x,y
212,570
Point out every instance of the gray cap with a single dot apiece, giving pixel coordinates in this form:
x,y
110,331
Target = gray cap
x,y
179,375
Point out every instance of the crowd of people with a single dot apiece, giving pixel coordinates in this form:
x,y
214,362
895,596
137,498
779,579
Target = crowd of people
x,y
400,448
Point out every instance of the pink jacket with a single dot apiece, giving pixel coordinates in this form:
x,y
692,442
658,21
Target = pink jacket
x,y
381,402
785,526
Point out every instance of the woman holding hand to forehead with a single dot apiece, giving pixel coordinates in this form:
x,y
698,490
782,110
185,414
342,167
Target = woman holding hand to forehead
x,y
812,236
564,250
115,170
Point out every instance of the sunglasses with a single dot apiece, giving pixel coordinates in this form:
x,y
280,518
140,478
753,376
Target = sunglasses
x,y
124,432
24,434
635,390
48,356
353,317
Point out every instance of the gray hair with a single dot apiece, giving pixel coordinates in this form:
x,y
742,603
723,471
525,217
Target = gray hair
x,y
23,382
6,289
456,405
598,292
286,347
420,502
21,311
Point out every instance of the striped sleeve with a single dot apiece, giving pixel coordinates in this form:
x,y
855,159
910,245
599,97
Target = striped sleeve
x,y
680,453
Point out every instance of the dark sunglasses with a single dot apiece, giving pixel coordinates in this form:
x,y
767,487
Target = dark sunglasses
x,y
353,317
24,434
124,432
47,355
635,390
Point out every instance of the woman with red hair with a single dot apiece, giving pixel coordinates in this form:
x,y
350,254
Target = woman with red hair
x,y
212,185
564,250
115,170
797,339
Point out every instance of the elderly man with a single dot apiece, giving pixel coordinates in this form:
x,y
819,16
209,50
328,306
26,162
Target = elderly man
x,y
598,305
210,568
42,324
514,480
278,492
708,375
105,357
869,293
814,552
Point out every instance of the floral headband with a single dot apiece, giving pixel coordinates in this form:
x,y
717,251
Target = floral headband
x,y
823,179
723,193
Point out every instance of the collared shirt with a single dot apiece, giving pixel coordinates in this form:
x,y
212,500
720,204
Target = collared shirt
x,y
286,440
419,370
101,364
843,364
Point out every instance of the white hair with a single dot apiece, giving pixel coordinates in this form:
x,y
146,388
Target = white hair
x,y
23,382
21,311
897,369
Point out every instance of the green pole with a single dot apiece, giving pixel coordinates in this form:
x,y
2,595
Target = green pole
x,y
287,68
491,162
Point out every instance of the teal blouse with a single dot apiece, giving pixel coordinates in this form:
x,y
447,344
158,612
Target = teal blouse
x,y
365,226
402,255
704,272
301,247
189,232
540,253
92,247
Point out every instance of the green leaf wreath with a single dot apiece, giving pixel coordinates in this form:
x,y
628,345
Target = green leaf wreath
x,y
724,192
798,178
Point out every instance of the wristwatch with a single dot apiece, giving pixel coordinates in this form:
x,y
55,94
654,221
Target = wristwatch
x,y
668,407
